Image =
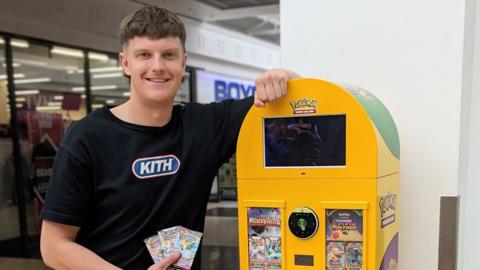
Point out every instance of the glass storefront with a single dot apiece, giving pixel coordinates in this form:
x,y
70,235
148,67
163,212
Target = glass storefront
x,y
108,84
9,227
50,86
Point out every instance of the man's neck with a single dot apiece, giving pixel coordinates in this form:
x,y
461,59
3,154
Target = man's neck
x,y
154,115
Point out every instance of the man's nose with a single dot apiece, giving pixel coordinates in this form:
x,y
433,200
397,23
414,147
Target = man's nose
x,y
158,63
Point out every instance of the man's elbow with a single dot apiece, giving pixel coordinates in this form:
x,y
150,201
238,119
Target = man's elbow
x,y
55,243
47,251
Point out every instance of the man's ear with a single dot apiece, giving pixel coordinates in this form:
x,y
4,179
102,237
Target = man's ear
x,y
184,61
124,62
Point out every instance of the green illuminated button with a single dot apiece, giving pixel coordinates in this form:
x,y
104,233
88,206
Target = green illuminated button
x,y
303,222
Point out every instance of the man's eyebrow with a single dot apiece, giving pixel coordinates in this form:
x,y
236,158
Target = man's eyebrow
x,y
140,50
172,49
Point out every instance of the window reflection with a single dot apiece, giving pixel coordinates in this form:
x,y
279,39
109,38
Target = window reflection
x,y
108,84
50,96
8,207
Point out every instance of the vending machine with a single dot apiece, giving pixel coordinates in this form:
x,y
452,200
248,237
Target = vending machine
x,y
318,181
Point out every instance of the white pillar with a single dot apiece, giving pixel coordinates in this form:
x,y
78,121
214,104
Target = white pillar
x,y
409,54
469,169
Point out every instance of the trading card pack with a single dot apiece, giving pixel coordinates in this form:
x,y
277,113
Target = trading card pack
x,y
153,246
171,240
354,255
189,242
335,256
256,252
274,253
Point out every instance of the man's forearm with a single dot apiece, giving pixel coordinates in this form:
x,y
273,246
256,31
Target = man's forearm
x,y
70,255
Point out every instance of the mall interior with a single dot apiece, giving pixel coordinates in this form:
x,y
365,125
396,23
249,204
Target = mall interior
x,y
421,58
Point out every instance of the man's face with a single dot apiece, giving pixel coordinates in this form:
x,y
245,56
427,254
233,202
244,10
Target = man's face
x,y
156,68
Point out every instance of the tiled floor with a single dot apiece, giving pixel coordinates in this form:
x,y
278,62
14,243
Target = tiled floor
x,y
21,264
220,242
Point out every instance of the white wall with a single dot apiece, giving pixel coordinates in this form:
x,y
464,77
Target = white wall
x,y
94,24
409,54
469,171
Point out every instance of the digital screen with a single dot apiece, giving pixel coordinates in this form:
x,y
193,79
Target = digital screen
x,y
307,141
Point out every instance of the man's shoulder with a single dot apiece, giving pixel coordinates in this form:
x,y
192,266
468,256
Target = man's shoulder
x,y
92,123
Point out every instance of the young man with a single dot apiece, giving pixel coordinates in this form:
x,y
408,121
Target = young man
x,y
122,174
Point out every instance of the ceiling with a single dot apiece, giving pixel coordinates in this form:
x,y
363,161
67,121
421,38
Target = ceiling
x,y
264,22
229,4
256,18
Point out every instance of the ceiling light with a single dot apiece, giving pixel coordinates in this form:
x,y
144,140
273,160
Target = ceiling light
x,y
110,101
20,99
95,88
96,106
19,105
19,43
107,75
48,108
72,69
126,94
13,64
31,62
15,76
27,92
66,51
34,80
83,96
105,69
98,56
54,104
57,97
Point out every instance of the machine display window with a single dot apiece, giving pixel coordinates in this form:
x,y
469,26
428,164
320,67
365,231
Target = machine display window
x,y
344,239
304,141
264,238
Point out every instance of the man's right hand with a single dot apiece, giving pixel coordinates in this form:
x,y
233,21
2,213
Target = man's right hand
x,y
164,264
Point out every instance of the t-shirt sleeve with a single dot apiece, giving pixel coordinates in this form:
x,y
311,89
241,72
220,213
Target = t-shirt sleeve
x,y
228,117
70,190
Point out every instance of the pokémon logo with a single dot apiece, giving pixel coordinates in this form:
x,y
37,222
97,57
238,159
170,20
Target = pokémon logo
x,y
150,167
304,106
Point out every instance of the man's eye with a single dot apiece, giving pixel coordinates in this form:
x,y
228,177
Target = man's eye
x,y
144,55
168,55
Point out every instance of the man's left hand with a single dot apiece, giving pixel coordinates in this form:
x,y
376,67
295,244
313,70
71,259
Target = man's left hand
x,y
272,85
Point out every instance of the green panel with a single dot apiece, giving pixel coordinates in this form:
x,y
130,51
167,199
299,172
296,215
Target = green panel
x,y
380,116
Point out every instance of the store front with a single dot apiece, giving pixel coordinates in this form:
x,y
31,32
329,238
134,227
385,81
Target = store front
x,y
44,88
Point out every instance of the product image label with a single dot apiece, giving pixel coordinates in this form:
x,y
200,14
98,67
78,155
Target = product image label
x,y
264,239
344,239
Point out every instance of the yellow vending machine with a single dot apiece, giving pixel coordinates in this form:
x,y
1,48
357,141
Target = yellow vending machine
x,y
318,181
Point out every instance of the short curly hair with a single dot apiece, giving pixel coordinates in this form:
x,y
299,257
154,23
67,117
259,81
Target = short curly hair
x,y
152,22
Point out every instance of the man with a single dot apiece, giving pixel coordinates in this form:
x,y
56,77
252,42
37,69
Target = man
x,y
122,174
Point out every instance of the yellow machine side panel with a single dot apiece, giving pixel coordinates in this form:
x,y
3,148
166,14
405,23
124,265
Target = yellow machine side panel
x,y
315,194
387,163
388,189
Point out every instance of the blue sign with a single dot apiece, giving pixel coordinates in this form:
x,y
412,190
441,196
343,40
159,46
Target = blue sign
x,y
232,90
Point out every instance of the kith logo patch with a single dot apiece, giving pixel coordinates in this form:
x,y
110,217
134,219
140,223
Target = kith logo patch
x,y
155,166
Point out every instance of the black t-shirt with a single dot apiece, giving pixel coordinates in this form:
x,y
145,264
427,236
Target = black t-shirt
x,y
121,182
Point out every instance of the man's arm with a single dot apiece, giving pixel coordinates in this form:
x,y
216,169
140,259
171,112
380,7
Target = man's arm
x,y
60,251
272,85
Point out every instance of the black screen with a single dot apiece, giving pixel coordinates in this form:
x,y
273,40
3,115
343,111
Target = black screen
x,y
307,141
